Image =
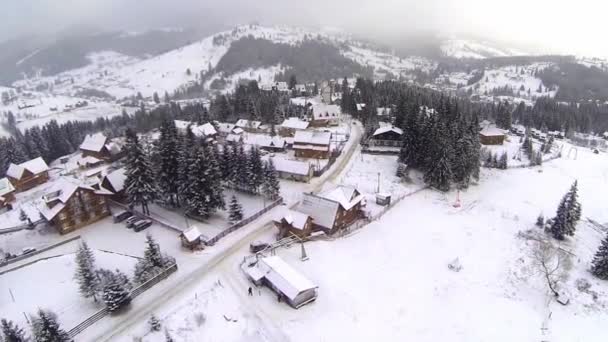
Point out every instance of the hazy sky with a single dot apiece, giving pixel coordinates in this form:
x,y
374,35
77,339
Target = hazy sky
x,y
549,25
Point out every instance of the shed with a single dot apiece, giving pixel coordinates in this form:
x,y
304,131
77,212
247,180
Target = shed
x,y
491,136
383,198
293,170
288,283
192,238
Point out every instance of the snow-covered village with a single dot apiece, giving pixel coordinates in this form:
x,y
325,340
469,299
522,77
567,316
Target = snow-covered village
x,y
290,183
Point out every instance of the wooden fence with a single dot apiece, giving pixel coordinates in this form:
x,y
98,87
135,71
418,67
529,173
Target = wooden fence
x,y
134,293
20,227
242,223
41,250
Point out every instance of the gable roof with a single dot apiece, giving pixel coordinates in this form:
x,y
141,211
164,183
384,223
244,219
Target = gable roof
x,y
286,279
6,186
248,124
292,166
266,141
323,211
192,234
312,137
347,196
94,142
117,179
295,123
35,166
492,132
325,111
294,218
225,127
385,129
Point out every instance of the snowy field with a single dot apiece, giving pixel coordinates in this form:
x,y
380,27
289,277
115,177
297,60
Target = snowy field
x,y
390,280
50,284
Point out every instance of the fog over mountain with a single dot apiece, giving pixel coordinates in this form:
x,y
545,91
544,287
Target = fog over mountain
x,y
543,25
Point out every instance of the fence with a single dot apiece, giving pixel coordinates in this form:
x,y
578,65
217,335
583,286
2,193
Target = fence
x,y
41,250
134,293
153,219
242,223
19,227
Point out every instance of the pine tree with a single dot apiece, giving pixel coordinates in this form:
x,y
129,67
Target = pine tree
x,y
140,183
197,193
156,98
154,323
235,211
168,170
88,280
540,221
115,294
439,174
254,171
167,98
568,215
153,262
12,332
45,328
271,186
503,162
599,266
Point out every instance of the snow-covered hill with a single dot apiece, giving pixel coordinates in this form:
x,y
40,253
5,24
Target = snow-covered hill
x,y
463,48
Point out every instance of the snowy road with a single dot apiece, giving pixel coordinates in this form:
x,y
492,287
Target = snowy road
x,y
110,328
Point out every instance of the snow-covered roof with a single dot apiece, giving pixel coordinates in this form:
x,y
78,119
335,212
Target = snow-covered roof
x,y
88,160
283,277
295,218
94,142
292,166
266,141
225,127
61,191
295,123
312,137
325,112
238,130
6,186
385,129
182,125
383,111
234,138
492,132
192,234
322,210
344,195
360,106
204,130
300,87
35,166
248,124
117,179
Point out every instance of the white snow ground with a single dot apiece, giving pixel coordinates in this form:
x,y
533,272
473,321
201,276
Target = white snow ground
x,y
390,280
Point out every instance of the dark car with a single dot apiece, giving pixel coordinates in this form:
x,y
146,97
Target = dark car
x,y
130,222
121,216
141,225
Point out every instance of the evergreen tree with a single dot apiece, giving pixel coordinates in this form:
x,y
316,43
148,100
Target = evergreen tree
x,y
88,281
153,262
154,323
197,194
168,169
568,215
116,294
540,221
12,332
254,171
599,266
503,162
156,98
235,211
167,98
439,174
140,183
46,328
270,185
292,81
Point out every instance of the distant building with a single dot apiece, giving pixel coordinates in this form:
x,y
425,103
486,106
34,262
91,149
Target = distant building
x,y
206,130
491,136
28,175
98,146
312,144
69,206
290,126
282,87
388,133
225,128
114,182
384,112
248,125
300,171
300,90
289,284
325,115
7,194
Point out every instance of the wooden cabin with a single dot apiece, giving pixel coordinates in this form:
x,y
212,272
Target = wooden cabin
x,y
312,144
192,238
290,126
325,115
7,194
491,136
28,175
99,147
301,171
114,182
69,206
334,209
293,222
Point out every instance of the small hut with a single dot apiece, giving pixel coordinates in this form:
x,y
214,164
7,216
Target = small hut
x,y
192,238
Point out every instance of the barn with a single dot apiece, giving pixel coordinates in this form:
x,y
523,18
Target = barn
x,y
492,136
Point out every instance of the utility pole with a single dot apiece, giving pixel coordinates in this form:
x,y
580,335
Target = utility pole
x,y
378,191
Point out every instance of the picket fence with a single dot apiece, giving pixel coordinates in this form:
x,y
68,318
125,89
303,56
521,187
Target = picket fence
x,y
134,293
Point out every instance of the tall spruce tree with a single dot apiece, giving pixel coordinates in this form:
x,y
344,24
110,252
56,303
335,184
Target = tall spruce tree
x,y
439,174
197,199
168,169
12,332
599,266
88,281
140,183
568,215
235,211
153,262
45,328
116,293
271,187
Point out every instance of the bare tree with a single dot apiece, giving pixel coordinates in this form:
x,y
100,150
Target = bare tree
x,y
550,263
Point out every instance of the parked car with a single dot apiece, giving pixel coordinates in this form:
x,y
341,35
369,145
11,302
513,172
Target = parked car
x,y
257,246
121,216
141,225
130,222
28,250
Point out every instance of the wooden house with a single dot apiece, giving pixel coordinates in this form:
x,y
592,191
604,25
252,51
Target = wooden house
x,y
491,136
293,222
323,115
7,194
290,285
69,206
301,171
290,126
268,143
387,136
28,175
334,209
99,147
114,182
249,126
312,144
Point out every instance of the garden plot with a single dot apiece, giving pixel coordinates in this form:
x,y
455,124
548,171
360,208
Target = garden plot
x,y
50,284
